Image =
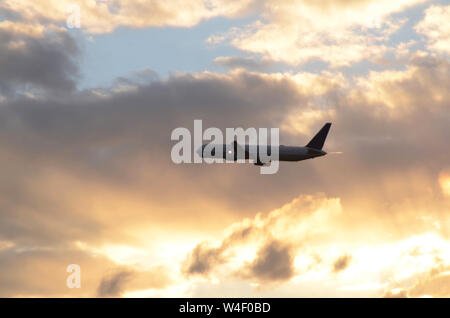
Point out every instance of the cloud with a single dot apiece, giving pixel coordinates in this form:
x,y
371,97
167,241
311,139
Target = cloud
x,y
396,293
339,33
32,59
201,260
415,266
113,284
444,182
274,262
105,16
434,283
248,63
27,271
204,258
283,248
341,263
427,75
263,248
436,28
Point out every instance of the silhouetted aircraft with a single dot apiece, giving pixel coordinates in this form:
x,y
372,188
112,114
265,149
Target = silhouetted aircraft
x,y
234,151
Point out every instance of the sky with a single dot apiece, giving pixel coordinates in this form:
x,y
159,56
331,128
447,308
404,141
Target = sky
x,y
86,115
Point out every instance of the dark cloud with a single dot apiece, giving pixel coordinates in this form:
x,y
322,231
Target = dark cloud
x,y
202,260
120,280
274,262
113,284
142,77
8,14
249,63
341,263
32,63
275,237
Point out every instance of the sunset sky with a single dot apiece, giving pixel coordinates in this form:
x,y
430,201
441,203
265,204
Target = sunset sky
x,y
86,177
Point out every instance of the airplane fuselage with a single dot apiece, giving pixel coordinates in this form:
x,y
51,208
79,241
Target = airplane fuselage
x,y
285,153
292,153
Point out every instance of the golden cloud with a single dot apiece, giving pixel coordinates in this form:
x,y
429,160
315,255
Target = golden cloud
x,y
104,16
314,240
444,182
436,28
338,32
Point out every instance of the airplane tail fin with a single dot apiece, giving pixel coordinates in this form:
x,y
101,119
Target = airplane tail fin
x,y
319,139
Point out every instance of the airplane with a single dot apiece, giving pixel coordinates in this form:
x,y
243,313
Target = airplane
x,y
286,153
